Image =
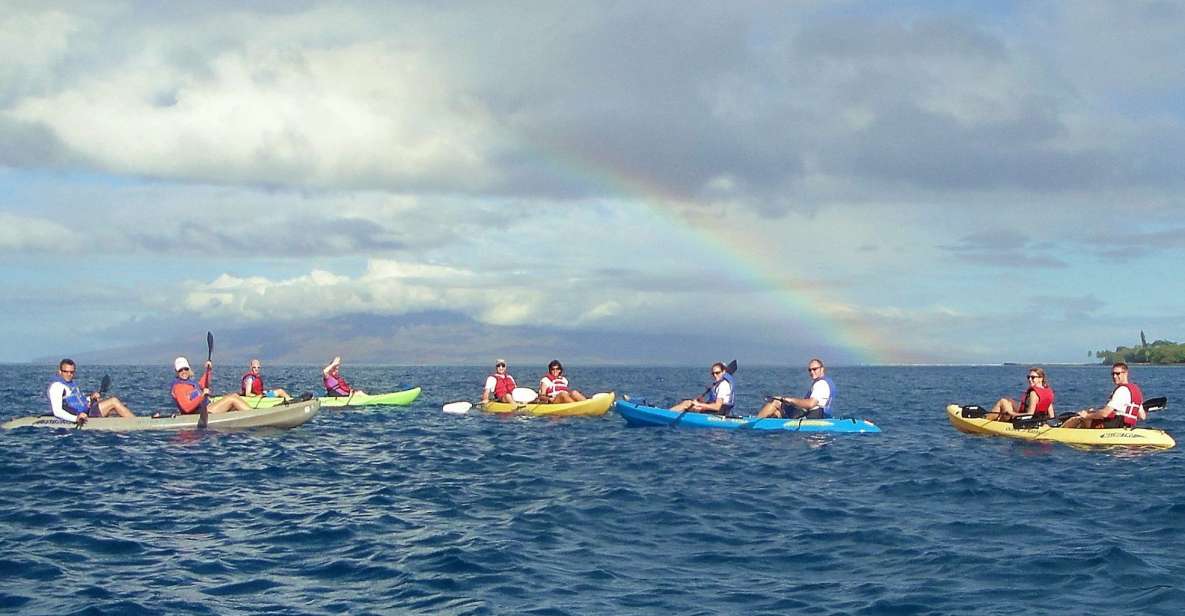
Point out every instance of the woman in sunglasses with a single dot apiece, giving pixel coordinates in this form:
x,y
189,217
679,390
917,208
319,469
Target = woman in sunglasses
x,y
718,398
553,387
499,385
1037,400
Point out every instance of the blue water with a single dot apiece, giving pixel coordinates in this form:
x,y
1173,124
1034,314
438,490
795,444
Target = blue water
x,y
389,510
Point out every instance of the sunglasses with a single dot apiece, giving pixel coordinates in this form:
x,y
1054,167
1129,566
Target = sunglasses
x,y
499,365
717,372
67,372
1034,376
1116,373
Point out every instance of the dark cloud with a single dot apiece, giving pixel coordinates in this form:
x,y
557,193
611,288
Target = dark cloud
x,y
1004,248
31,145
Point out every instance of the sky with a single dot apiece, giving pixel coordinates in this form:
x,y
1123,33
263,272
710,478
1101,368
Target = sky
x,y
877,183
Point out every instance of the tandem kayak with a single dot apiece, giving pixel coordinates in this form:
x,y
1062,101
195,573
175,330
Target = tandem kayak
x,y
283,416
1106,437
593,407
639,415
394,398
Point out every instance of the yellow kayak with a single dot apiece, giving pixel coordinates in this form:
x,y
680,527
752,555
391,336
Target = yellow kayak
x,y
1105,437
595,406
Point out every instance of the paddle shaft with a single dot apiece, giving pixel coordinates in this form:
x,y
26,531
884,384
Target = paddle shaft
x,y
204,418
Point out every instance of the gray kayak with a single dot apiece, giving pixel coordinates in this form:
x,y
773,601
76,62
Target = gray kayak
x,y
284,416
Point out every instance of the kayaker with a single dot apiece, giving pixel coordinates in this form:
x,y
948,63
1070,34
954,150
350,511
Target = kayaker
x,y
719,398
553,387
66,402
190,395
335,385
1124,409
499,385
815,405
1037,400
252,384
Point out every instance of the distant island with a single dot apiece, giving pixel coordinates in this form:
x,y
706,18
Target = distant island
x,y
1159,352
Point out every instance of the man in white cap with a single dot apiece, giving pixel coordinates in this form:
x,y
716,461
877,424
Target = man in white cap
x,y
190,395
499,385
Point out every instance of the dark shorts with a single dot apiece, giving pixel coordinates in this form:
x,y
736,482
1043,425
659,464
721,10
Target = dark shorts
x,y
796,413
1114,422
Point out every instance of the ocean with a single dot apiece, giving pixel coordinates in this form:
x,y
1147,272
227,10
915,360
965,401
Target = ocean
x,y
409,510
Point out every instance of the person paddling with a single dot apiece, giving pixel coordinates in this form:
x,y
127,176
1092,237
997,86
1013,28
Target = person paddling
x,y
553,387
252,384
190,395
719,398
335,385
815,405
1124,410
1037,400
67,403
499,385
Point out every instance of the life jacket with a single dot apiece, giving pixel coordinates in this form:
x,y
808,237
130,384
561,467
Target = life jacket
x,y
336,386
187,395
1131,412
73,401
830,397
554,386
503,385
1044,400
256,384
712,393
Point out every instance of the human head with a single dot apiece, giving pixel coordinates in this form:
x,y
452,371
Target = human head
x,y
815,368
553,365
66,368
499,364
1040,374
254,365
180,364
1119,371
718,370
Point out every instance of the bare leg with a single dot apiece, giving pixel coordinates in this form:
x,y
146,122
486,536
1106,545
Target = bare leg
x,y
770,409
1074,422
563,397
577,396
683,406
280,393
113,404
1002,410
229,402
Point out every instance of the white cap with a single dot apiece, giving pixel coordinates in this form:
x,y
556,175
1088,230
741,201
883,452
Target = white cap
x,y
180,363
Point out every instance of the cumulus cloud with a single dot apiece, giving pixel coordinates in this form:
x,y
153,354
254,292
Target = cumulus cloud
x,y
20,234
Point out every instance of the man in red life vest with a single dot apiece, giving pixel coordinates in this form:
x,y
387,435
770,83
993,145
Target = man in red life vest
x,y
499,385
252,384
1123,410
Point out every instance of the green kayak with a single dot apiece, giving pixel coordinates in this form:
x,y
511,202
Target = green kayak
x,y
282,416
394,398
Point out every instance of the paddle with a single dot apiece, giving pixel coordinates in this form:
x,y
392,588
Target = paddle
x,y
204,418
731,368
521,396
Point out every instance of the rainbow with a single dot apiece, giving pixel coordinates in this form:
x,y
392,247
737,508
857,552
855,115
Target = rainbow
x,y
814,309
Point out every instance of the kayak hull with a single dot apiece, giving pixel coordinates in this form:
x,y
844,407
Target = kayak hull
x,y
285,416
595,406
1106,437
394,398
640,415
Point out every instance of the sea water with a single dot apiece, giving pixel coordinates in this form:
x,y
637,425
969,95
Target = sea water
x,y
409,510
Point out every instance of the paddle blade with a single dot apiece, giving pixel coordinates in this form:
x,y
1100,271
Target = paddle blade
x,y
105,384
731,368
457,408
523,395
209,345
1156,404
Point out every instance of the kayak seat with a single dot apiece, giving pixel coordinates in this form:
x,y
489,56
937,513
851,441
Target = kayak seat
x,y
973,411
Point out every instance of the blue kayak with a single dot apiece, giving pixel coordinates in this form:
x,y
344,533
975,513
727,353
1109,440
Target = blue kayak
x,y
639,415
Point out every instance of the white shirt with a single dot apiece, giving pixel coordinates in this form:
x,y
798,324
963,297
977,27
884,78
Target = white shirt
x,y
1120,399
724,393
58,392
821,392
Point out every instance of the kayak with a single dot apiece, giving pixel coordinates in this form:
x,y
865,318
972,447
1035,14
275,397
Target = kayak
x,y
593,407
283,416
1107,437
393,398
639,415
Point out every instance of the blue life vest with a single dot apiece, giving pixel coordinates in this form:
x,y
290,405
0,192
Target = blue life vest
x,y
74,401
711,397
830,399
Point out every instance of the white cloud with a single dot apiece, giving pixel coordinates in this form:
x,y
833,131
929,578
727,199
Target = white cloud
x,y
21,234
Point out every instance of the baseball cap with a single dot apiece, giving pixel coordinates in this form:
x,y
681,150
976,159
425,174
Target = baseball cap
x,y
180,363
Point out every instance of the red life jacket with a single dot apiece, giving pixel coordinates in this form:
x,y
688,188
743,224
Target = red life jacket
x,y
556,385
503,385
1131,412
335,385
1044,400
256,384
